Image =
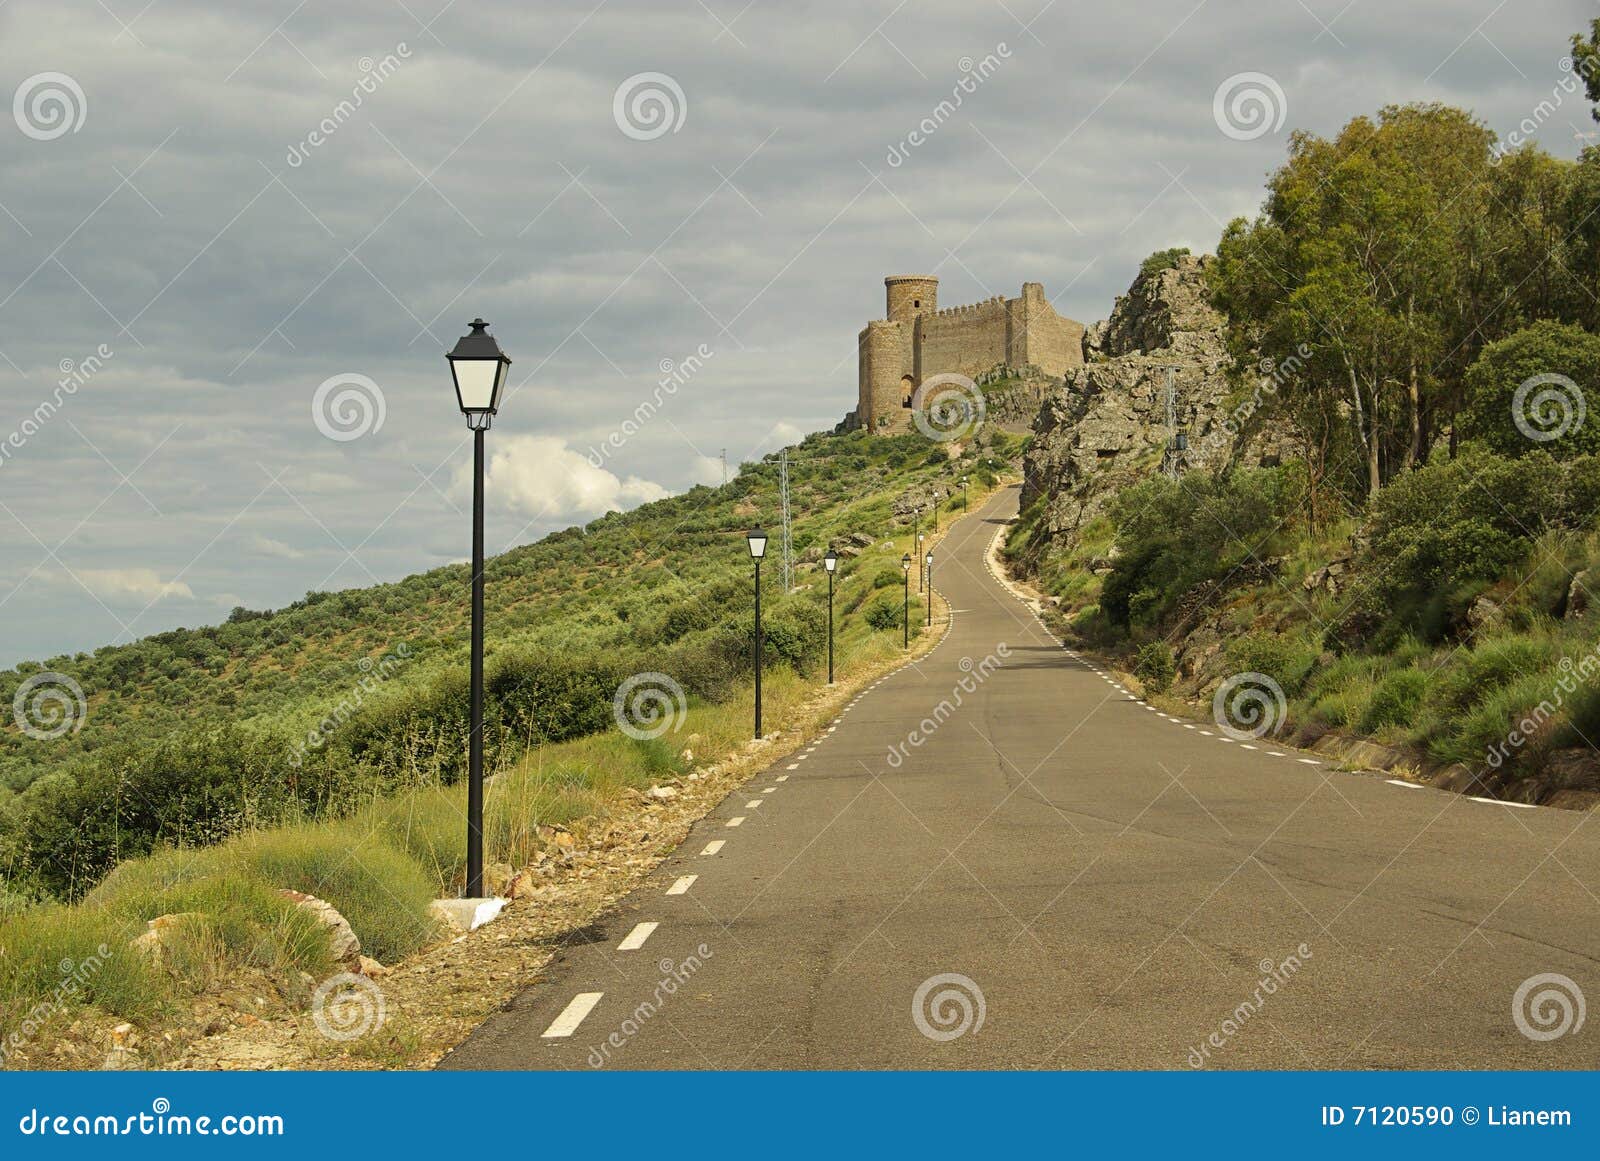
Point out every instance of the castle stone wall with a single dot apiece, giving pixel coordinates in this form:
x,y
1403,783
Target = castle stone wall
x,y
917,340
964,339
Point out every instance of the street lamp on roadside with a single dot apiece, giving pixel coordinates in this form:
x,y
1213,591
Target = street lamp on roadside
x,y
963,493
831,563
921,537
928,562
757,539
905,610
478,366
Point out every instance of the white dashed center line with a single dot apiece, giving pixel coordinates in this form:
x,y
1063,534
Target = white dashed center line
x,y
713,846
572,1015
681,886
753,804
781,778
635,938
739,821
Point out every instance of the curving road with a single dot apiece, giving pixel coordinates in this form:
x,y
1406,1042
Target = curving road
x,y
1121,889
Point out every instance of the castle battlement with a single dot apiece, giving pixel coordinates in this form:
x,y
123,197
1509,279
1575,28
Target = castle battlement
x,y
916,340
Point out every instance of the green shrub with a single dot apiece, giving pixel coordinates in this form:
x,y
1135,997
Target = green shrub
x,y
1493,381
1156,666
885,577
1395,700
884,613
1287,660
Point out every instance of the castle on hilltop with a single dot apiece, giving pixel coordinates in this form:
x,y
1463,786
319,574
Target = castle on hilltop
x,y
918,340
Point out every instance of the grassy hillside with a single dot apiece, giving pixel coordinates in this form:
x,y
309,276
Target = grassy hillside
x,y
202,784
1453,616
193,735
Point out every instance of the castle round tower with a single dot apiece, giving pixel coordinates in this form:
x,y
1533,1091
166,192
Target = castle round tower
x,y
910,295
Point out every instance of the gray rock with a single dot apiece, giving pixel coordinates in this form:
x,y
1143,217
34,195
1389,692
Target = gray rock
x,y
1578,595
1105,427
342,941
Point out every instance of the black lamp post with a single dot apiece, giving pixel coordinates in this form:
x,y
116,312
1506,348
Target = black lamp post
x,y
921,537
831,563
905,611
928,563
478,366
963,493
757,539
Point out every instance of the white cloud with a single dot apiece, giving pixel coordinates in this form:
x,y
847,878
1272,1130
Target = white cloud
x,y
266,546
541,477
125,584
706,470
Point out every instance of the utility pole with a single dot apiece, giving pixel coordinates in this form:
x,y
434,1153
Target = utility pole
x,y
783,496
724,467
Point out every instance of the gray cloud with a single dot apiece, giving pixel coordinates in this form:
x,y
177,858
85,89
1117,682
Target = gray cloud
x,y
484,174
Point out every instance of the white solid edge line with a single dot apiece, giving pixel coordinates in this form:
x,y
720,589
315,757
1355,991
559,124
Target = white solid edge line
x,y
737,821
681,886
714,846
572,1015
1402,782
1502,802
634,940
1309,761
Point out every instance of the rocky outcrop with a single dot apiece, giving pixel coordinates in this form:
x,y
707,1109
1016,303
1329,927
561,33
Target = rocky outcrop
x,y
1106,428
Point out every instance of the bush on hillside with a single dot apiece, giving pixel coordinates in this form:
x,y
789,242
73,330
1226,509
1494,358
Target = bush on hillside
x,y
1156,666
1175,535
1524,392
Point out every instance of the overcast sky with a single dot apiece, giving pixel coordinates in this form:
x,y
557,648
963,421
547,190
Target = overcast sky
x,y
198,237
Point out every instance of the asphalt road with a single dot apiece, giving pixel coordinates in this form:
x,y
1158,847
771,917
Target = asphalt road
x,y
1122,890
